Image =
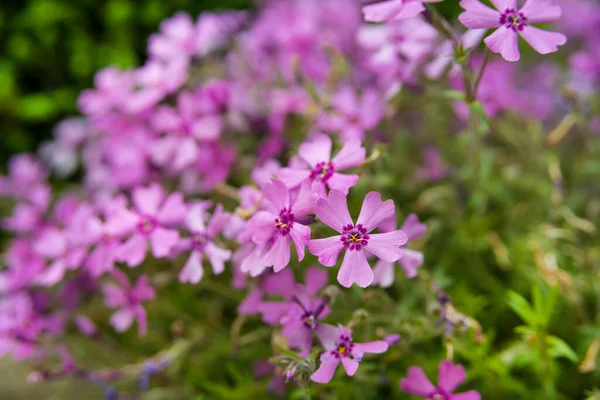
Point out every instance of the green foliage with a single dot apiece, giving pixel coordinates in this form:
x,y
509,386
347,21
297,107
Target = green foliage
x,y
51,49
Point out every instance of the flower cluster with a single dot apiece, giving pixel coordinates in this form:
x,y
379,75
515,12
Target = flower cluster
x,y
185,166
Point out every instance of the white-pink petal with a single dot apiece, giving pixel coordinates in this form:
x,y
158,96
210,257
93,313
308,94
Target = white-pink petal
x,y
504,41
355,269
478,16
542,41
317,150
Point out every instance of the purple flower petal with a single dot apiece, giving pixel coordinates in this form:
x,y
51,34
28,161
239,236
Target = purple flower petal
x,y
383,274
470,395
374,211
411,261
278,255
417,383
316,150
376,347
192,271
316,279
381,12
173,210
306,201
147,200
478,16
342,182
504,41
333,211
162,241
540,11
355,269
386,246
542,41
350,156
350,365
327,249
300,235
504,4
450,376
133,251
277,194
326,370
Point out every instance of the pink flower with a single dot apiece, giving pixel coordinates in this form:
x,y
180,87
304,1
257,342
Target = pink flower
x,y
20,326
355,238
300,312
128,300
511,22
450,376
354,114
394,10
280,223
321,170
149,222
411,259
433,168
340,348
186,129
202,243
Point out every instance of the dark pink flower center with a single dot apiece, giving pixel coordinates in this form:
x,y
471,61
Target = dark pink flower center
x,y
513,19
354,237
199,241
285,221
343,348
147,224
322,172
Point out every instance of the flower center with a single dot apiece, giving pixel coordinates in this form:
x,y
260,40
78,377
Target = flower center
x,y
343,347
513,19
147,224
199,241
309,320
354,237
322,172
285,221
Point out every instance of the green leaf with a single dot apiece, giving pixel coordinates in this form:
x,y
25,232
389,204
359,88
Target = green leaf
x,y
522,308
559,348
477,108
454,95
38,106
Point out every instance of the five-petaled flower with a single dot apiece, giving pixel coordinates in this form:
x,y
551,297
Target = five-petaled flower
x,y
281,223
128,299
356,238
339,347
449,377
324,170
511,22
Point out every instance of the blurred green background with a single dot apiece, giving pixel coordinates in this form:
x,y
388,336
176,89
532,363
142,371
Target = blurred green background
x,y
50,50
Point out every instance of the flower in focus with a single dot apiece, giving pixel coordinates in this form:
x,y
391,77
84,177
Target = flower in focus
x,y
394,10
449,377
339,347
355,238
128,300
280,223
202,243
411,259
512,22
322,170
